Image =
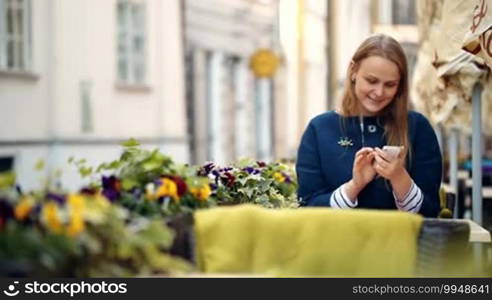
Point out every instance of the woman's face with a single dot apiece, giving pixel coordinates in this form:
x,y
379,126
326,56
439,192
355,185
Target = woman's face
x,y
376,84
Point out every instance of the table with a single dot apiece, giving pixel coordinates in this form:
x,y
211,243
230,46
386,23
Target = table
x,y
448,246
478,234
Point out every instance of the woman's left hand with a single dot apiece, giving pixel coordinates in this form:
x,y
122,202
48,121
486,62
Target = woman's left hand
x,y
391,169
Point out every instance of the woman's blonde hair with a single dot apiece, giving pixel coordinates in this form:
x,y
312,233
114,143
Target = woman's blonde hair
x,y
395,115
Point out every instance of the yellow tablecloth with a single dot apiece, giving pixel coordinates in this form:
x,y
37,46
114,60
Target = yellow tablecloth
x,y
306,242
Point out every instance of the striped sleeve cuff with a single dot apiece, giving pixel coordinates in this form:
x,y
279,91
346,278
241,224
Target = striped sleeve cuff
x,y
339,199
412,201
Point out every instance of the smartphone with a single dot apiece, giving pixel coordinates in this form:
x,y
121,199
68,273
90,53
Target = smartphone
x,y
392,151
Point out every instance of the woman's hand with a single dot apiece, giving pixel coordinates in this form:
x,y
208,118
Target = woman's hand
x,y
362,171
391,169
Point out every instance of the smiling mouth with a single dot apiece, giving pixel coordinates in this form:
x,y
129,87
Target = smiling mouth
x,y
375,101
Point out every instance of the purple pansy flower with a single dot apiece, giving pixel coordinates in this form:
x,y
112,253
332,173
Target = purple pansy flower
x,y
90,191
205,169
261,164
58,198
287,178
252,170
228,179
111,187
6,211
249,170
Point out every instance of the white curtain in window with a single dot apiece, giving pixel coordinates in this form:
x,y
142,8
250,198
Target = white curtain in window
x,y
131,42
15,41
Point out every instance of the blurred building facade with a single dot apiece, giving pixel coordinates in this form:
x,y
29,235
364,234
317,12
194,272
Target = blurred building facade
x,y
304,85
78,77
230,111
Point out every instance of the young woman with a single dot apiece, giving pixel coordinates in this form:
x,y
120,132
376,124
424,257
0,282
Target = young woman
x,y
341,162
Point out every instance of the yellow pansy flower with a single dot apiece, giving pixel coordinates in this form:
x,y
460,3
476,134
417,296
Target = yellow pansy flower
x,y
76,203
24,207
76,224
202,193
51,217
279,177
167,188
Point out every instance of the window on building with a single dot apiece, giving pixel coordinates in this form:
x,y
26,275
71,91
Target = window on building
x,y
398,18
404,12
6,163
15,35
131,42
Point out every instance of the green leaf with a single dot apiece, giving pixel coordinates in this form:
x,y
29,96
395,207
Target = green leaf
x,y
7,179
196,182
85,171
262,199
114,164
243,180
245,162
155,161
126,155
101,167
129,183
264,185
130,143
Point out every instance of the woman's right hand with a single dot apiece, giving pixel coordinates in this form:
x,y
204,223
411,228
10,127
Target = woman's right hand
x,y
363,171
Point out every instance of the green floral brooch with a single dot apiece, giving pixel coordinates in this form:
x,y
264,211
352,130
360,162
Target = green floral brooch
x,y
345,142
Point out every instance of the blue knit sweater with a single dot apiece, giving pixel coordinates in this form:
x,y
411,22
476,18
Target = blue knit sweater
x,y
323,164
